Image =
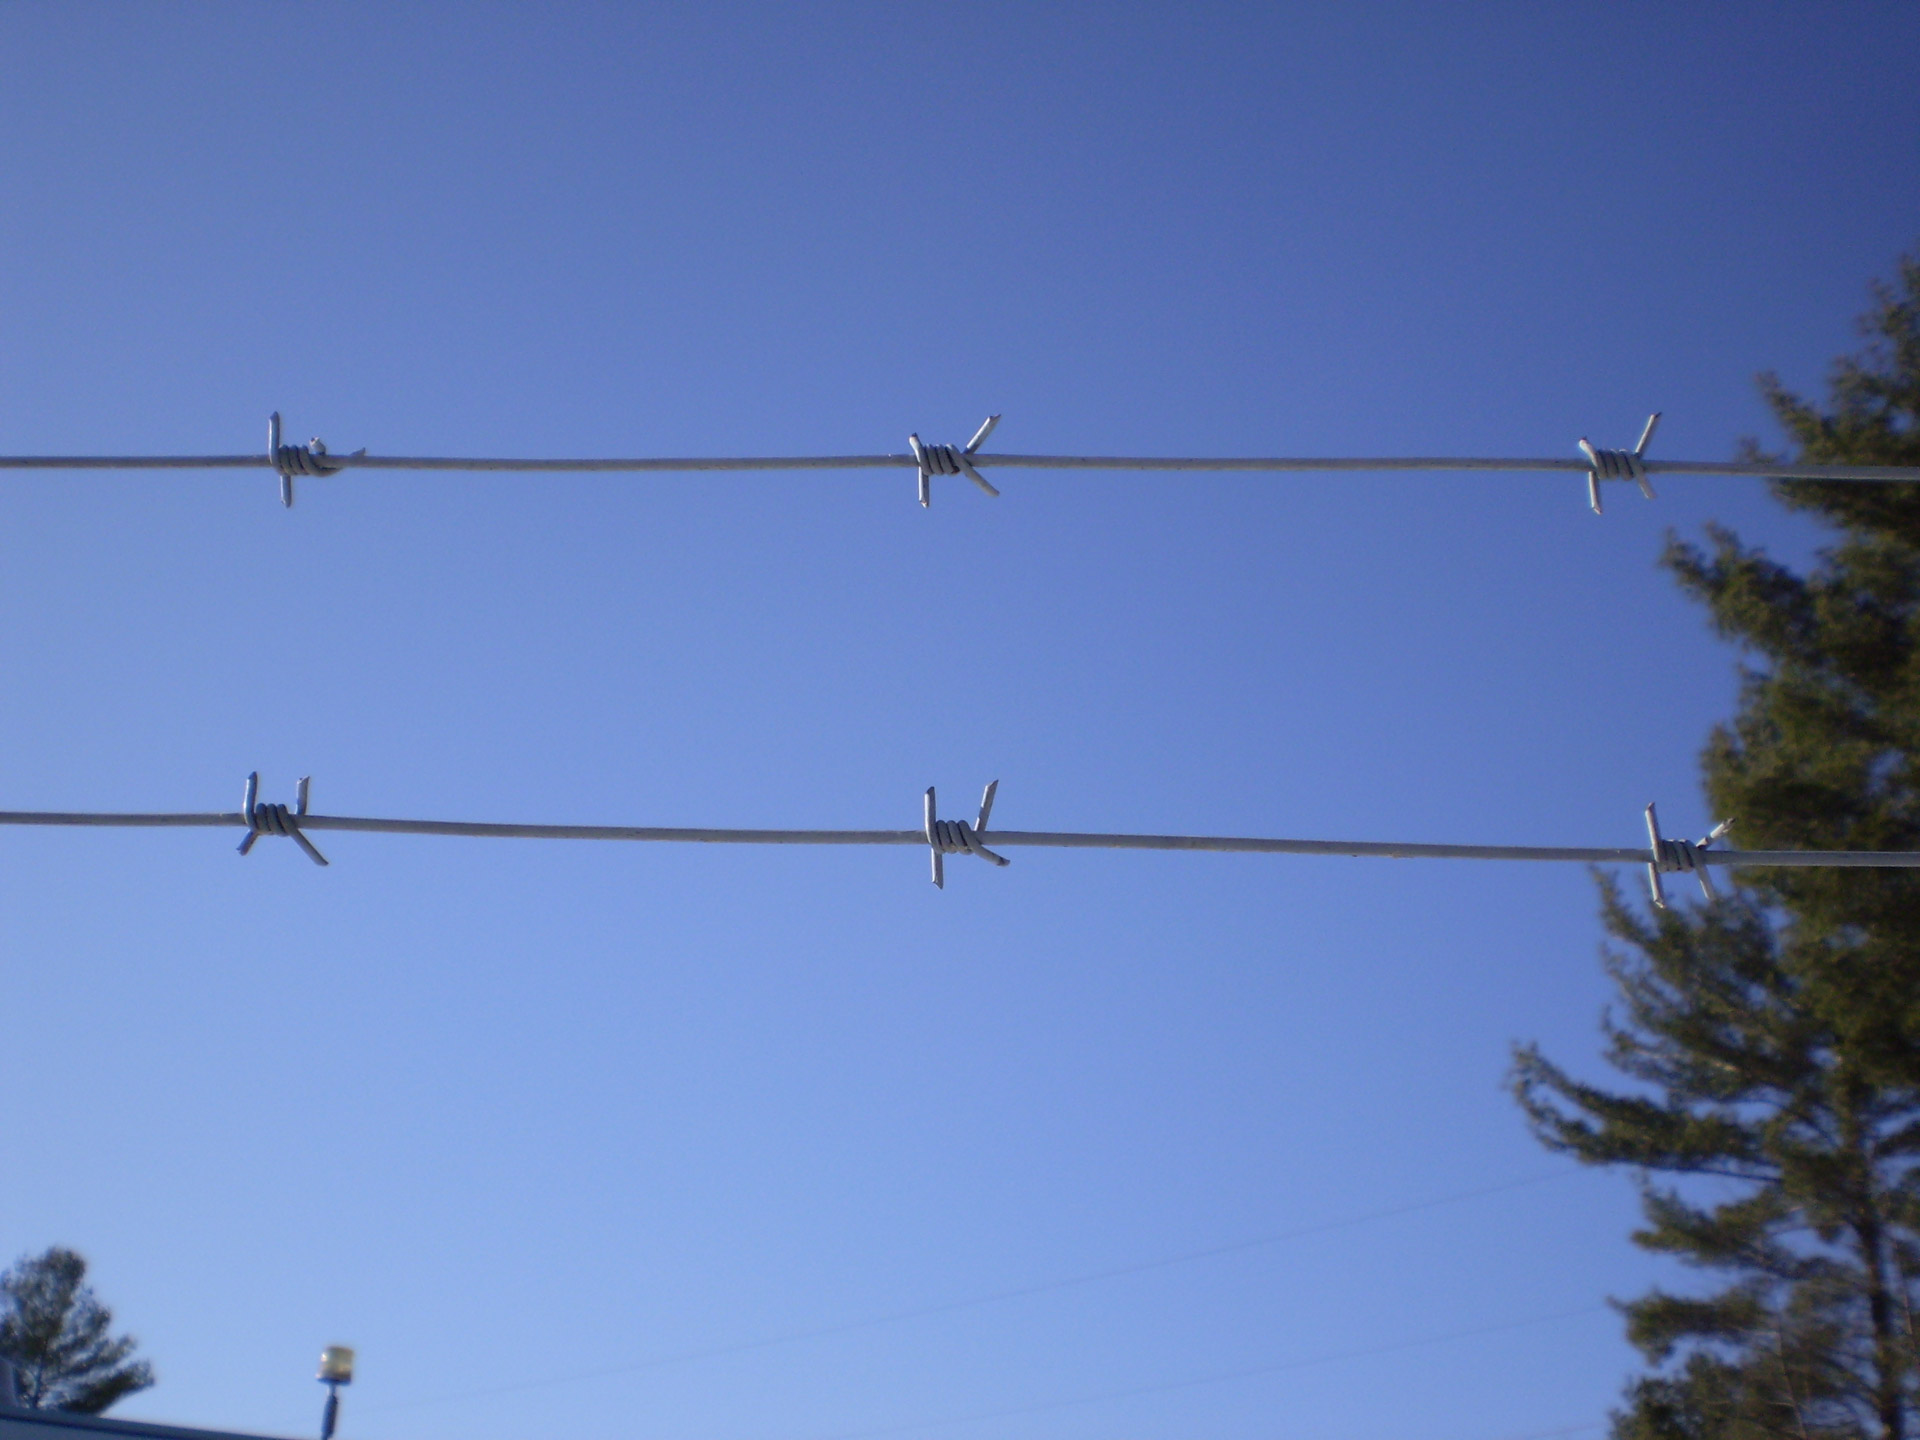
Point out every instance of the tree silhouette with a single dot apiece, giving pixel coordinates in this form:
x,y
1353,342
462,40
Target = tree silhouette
x,y
54,1333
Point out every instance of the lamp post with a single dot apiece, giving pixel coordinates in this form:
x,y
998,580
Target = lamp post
x,y
336,1369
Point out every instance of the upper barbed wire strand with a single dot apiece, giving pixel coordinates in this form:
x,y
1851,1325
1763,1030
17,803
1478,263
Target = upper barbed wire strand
x,y
928,460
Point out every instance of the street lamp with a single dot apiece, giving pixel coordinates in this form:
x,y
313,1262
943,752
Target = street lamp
x,y
336,1369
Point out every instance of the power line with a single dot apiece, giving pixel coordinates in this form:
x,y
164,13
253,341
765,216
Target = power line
x,y
1663,856
1217,1378
995,1297
929,460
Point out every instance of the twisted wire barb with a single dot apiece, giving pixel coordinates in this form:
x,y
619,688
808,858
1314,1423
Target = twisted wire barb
x,y
1680,857
947,460
262,819
292,460
1618,464
956,837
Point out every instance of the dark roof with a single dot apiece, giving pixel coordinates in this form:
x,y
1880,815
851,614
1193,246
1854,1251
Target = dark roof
x,y
17,1423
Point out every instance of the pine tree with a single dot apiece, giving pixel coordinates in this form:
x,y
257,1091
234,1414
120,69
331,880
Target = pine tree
x,y
54,1332
1774,1036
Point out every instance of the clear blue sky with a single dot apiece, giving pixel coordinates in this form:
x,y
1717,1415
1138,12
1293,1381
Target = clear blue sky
x,y
501,1114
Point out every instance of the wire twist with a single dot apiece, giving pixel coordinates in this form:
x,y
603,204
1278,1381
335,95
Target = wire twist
x,y
291,460
269,819
1618,464
957,837
950,460
1679,857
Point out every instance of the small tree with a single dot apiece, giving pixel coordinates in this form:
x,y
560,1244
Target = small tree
x,y
54,1332
1775,1035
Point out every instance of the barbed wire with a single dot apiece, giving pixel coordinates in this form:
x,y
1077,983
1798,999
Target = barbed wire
x,y
946,837
928,460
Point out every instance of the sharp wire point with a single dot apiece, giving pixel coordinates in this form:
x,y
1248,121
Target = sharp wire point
x,y
933,841
926,474
1646,435
1655,865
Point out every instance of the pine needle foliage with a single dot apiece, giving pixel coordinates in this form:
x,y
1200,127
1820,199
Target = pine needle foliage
x,y
1773,1039
54,1332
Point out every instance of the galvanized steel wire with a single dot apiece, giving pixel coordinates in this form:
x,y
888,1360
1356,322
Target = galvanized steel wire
x,y
928,460
943,837
689,464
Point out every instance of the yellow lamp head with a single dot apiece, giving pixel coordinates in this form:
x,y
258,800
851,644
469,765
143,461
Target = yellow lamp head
x,y
336,1365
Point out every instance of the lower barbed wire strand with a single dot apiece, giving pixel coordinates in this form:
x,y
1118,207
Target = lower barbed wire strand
x,y
1231,844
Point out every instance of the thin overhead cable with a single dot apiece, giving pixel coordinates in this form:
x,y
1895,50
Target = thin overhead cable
x,y
1663,855
1220,1377
973,1302
928,460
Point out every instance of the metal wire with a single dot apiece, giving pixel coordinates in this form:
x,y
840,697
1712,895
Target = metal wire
x,y
992,1297
1314,464
928,459
1001,839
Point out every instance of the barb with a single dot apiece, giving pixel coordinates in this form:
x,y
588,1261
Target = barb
x,y
946,460
292,460
1678,857
956,837
277,819
1618,464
